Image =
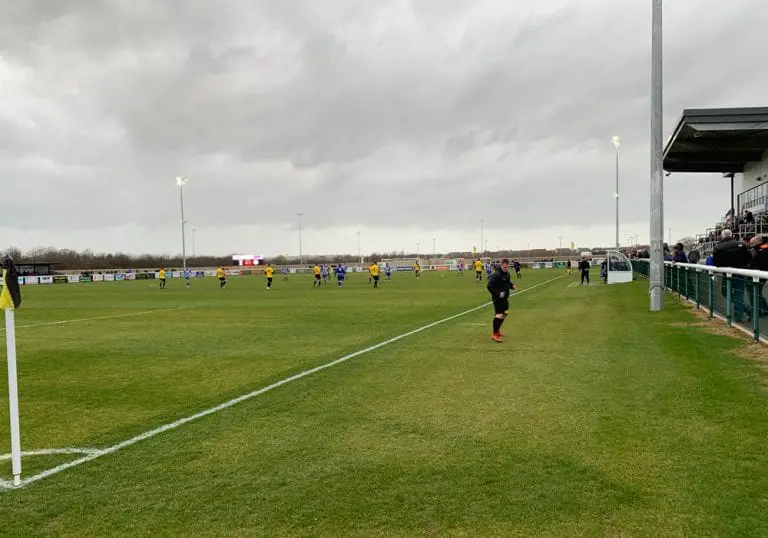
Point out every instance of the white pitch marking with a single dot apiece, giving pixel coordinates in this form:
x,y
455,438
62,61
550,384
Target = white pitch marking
x,y
7,484
52,452
172,425
62,322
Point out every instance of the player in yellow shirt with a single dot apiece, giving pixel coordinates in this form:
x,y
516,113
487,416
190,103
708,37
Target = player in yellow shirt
x,y
417,269
222,278
317,272
478,270
269,272
161,276
374,269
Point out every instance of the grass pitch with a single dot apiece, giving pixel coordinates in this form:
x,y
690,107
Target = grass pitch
x,y
594,418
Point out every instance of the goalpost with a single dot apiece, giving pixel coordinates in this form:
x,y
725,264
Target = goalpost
x,y
402,264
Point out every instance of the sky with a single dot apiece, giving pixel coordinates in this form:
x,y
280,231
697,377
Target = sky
x,y
408,121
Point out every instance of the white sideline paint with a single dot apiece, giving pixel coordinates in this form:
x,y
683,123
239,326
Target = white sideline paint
x,y
172,425
52,452
113,316
7,484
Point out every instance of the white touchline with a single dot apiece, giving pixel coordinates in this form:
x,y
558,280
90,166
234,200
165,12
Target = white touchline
x,y
52,452
244,397
62,322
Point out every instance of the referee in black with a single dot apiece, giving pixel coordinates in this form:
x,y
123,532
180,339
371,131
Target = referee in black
x,y
499,286
584,268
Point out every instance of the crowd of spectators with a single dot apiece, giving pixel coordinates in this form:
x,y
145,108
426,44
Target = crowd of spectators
x,y
744,225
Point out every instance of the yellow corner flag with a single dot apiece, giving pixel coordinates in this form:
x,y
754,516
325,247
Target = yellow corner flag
x,y
10,297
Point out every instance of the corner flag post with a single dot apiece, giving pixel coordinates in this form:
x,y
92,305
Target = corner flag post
x,y
10,299
13,395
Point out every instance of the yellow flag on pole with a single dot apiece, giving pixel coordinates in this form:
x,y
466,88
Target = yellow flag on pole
x,y
10,297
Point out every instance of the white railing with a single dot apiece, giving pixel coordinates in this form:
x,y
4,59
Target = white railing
x,y
754,274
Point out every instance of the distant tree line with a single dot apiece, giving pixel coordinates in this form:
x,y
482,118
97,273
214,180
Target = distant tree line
x,y
66,259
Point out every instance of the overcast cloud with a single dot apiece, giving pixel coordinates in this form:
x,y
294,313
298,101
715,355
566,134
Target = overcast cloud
x,y
406,120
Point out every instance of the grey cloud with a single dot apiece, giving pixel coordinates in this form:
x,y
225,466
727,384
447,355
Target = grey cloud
x,y
399,112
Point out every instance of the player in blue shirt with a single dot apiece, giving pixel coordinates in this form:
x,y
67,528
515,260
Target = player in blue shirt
x,y
388,272
488,269
460,268
325,271
185,274
341,272
284,270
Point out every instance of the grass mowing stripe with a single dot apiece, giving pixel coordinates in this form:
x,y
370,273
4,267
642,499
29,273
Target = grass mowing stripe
x,y
62,322
172,425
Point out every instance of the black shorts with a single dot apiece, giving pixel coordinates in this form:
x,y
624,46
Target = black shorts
x,y
269,279
317,277
375,278
479,273
501,306
222,279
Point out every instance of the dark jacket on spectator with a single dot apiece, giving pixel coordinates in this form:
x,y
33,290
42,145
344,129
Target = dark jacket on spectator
x,y
731,253
760,257
680,257
694,256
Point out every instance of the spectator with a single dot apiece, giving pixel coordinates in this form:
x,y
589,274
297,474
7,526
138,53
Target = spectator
x,y
584,268
732,253
749,218
759,262
679,254
694,256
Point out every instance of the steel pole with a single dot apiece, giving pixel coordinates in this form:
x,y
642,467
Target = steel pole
x,y
733,199
183,237
617,198
656,277
482,244
301,252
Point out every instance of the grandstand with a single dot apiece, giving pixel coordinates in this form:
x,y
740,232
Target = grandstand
x,y
732,142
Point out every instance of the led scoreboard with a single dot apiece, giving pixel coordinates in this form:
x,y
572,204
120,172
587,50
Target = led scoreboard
x,y
246,259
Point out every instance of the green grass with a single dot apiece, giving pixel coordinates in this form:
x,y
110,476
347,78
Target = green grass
x,y
595,417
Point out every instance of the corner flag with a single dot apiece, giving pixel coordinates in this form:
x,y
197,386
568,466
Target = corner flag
x,y
10,297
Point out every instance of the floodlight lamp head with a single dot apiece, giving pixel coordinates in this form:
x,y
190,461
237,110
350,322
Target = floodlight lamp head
x,y
616,141
181,180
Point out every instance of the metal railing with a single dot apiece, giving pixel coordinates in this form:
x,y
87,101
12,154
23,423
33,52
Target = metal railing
x,y
754,199
734,295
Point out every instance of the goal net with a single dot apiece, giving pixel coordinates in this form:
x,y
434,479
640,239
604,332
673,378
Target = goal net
x,y
401,264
